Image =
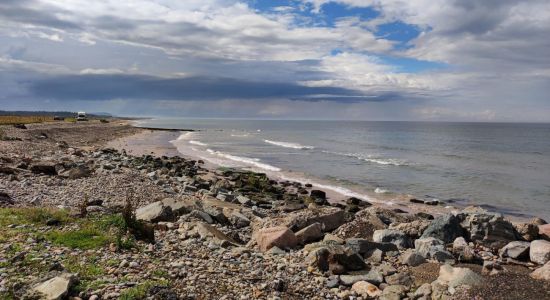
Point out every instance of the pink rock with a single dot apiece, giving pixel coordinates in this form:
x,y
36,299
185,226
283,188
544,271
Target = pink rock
x,y
544,231
280,236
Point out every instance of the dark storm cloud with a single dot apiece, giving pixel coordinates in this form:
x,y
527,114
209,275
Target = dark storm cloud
x,y
114,86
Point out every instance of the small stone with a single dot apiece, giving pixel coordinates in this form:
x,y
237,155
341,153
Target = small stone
x,y
366,289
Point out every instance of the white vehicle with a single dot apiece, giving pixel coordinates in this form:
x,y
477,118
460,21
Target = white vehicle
x,y
81,116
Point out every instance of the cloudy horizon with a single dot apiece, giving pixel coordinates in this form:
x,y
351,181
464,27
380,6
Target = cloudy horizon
x,y
299,59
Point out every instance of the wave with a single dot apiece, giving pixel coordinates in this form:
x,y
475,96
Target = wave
x,y
372,159
241,135
289,145
247,160
380,190
198,143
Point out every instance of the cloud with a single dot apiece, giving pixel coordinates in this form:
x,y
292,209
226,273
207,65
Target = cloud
x,y
100,85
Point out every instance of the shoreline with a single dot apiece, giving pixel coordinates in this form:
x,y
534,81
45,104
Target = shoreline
x,y
160,143
64,192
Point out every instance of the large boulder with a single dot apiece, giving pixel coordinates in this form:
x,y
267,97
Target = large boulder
x,y
55,288
366,221
155,212
544,231
542,273
365,247
310,234
527,231
279,236
333,257
412,258
540,251
446,228
491,230
454,277
515,250
396,237
413,229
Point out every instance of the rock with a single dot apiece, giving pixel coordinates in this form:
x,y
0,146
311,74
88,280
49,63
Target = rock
x,y
544,231
527,231
47,168
79,172
540,252
432,248
459,244
371,277
516,250
332,282
366,289
399,279
423,292
363,225
280,236
244,200
318,194
396,237
364,246
207,231
309,234
412,258
155,212
202,216
491,230
454,277
238,220
329,217
5,198
413,229
446,228
542,273
393,292
56,287
492,268
332,238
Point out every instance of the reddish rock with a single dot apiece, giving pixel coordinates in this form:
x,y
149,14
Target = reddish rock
x,y
544,231
280,236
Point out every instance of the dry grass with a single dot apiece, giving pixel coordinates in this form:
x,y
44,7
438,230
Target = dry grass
x,y
9,120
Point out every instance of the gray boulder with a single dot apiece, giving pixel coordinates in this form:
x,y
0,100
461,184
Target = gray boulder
x,y
432,248
396,237
310,234
540,251
412,258
370,277
55,288
446,228
454,277
155,212
490,230
515,250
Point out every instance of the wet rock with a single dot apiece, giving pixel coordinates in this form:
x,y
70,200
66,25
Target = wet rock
x,y
491,230
454,277
412,258
309,234
540,252
516,250
56,287
366,289
280,236
396,237
542,273
446,228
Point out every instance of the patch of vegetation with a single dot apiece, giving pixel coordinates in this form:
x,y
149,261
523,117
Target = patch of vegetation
x,y
70,120
85,238
88,270
35,216
11,120
140,290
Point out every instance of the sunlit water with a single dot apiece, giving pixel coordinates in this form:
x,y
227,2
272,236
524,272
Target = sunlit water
x,y
505,167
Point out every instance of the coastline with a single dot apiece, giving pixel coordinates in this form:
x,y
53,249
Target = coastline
x,y
160,142
64,190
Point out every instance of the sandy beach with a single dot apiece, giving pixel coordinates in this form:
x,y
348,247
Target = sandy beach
x,y
236,234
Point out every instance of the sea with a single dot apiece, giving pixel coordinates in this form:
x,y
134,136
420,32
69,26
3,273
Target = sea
x,y
503,167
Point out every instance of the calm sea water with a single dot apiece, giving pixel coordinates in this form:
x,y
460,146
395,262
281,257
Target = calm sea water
x,y
505,167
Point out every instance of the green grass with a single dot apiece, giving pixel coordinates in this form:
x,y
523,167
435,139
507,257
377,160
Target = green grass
x,y
86,238
34,216
140,290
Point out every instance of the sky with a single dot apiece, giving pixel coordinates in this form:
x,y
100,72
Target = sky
x,y
425,60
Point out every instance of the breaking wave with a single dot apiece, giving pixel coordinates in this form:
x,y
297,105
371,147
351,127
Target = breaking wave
x,y
289,145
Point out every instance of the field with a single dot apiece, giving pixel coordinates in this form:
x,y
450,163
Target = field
x,y
9,120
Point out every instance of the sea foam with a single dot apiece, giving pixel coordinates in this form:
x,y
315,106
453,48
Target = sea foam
x,y
246,160
289,145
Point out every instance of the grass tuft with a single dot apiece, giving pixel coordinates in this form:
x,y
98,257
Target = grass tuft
x,y
86,238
